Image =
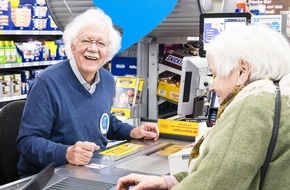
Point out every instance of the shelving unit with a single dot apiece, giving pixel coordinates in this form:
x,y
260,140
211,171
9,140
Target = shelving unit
x,y
30,32
154,69
23,65
12,98
20,36
27,64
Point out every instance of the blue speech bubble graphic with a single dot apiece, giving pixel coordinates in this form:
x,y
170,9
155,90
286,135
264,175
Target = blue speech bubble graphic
x,y
137,18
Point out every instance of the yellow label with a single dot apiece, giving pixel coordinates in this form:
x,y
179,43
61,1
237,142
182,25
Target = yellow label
x,y
174,127
141,83
121,112
139,92
126,82
121,149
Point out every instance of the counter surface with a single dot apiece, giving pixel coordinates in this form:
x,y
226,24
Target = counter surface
x,y
108,167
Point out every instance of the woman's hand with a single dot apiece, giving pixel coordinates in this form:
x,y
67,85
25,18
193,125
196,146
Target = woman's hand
x,y
141,182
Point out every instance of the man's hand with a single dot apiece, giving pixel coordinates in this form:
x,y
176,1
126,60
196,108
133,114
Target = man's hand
x,y
146,131
81,152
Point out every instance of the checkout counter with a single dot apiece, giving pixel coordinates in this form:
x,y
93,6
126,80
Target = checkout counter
x,y
120,159
138,156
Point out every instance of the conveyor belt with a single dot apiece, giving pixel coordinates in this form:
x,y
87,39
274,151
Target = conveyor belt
x,y
72,183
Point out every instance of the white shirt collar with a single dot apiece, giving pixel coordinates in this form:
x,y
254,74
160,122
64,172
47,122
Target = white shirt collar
x,y
87,86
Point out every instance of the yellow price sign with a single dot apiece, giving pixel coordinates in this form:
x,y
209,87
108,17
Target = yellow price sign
x,y
178,127
121,149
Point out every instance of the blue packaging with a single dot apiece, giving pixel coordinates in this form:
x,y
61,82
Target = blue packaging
x,y
122,66
5,16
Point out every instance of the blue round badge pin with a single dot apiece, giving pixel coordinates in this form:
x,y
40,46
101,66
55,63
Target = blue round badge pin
x,y
104,123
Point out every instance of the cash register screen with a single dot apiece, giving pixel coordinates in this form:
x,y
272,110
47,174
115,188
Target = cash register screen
x,y
211,24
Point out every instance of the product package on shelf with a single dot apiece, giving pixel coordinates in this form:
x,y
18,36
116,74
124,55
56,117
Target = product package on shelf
x,y
27,77
25,80
173,59
5,15
22,17
169,88
60,54
39,11
30,51
15,85
8,52
52,47
25,15
127,96
5,85
39,17
32,2
51,24
2,52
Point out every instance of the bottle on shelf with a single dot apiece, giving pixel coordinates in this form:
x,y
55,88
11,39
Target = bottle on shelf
x,y
13,52
2,53
7,51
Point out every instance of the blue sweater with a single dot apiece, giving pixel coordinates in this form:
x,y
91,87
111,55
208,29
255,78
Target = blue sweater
x,y
59,111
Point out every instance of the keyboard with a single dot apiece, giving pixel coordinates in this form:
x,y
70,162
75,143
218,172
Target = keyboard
x,y
72,183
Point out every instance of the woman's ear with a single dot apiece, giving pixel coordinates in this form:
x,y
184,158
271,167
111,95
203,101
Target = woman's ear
x,y
245,71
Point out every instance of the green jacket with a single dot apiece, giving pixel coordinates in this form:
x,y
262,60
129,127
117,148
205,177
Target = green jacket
x,y
235,149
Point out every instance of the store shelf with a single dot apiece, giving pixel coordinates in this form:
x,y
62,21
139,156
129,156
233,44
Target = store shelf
x,y
30,32
28,64
163,68
12,98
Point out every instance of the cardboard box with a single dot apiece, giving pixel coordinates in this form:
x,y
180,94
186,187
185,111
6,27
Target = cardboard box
x,y
168,91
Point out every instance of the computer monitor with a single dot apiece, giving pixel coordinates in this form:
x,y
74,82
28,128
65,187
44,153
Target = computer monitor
x,y
211,24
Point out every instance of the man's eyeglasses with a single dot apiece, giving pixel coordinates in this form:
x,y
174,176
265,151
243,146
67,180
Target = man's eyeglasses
x,y
88,42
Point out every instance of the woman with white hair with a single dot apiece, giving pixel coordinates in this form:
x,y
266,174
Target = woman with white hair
x,y
67,113
251,68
